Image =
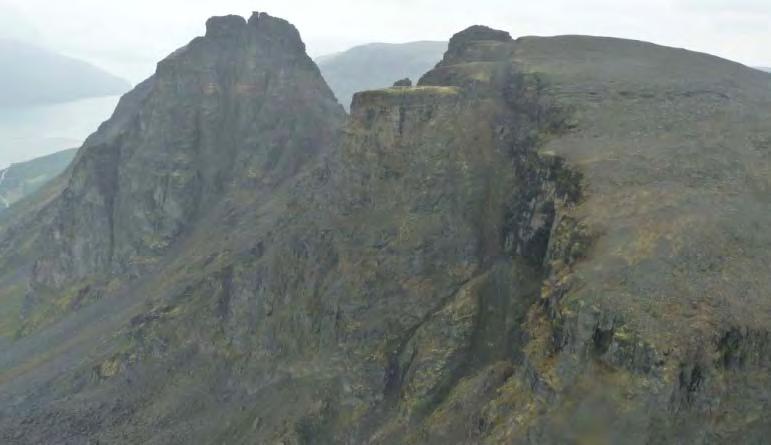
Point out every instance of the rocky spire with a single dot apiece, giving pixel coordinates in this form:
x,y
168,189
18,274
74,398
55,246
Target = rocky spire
x,y
278,31
221,113
225,26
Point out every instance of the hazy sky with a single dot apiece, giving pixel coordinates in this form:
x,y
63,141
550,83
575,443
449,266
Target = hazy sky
x,y
128,37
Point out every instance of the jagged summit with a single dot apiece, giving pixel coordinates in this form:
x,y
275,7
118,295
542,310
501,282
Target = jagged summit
x,y
243,107
275,29
225,26
549,240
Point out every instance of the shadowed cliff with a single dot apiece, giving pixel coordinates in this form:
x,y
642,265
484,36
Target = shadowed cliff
x,y
547,240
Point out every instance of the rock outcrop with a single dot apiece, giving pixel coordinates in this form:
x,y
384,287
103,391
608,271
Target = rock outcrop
x,y
211,121
547,240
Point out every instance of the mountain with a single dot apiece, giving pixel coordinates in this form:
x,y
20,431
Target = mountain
x,y
20,180
377,65
33,75
765,69
547,240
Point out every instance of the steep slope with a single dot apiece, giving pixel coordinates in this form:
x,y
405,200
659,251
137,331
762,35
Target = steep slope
x,y
20,180
208,133
548,240
671,302
33,75
377,65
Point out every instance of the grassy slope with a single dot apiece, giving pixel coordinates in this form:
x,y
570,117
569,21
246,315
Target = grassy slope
x,y
675,149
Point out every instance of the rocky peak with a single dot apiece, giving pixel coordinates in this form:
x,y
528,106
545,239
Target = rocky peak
x,y
243,108
477,43
477,33
260,24
481,49
225,26
278,29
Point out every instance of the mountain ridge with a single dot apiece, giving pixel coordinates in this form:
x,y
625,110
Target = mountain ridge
x,y
538,243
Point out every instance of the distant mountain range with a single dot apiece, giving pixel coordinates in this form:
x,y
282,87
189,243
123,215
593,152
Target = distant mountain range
x,y
20,180
31,75
377,65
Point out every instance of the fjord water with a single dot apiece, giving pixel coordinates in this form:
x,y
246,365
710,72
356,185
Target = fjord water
x,y
33,131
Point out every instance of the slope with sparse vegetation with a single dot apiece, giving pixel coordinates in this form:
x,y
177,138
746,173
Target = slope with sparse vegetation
x,y
546,240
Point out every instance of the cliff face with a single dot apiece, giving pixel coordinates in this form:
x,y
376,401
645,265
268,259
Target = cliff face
x,y
209,124
539,243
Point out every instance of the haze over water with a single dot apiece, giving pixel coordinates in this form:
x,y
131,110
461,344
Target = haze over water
x,y
30,132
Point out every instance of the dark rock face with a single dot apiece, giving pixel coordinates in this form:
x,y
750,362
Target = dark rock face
x,y
477,34
406,82
209,121
475,41
512,251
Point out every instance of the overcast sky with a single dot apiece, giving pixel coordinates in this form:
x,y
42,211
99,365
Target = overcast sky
x,y
128,37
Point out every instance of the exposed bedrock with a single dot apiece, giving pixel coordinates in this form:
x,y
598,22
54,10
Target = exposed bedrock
x,y
514,250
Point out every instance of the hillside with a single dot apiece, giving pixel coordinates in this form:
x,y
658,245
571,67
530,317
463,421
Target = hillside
x,y
377,65
23,179
32,75
547,240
